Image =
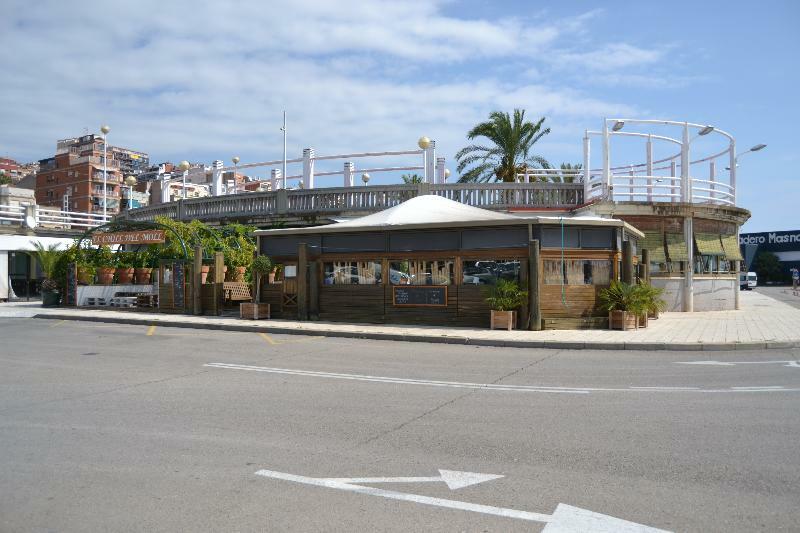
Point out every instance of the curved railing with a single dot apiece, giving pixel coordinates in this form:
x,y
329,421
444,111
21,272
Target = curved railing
x,y
363,200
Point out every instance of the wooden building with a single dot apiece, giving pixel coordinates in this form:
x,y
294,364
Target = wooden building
x,y
430,261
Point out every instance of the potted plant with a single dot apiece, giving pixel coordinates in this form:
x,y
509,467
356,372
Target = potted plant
x,y
125,268
141,267
86,273
624,304
103,259
653,301
48,259
260,266
237,260
504,299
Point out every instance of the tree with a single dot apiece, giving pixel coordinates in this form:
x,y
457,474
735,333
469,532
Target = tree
x,y
5,180
568,173
768,266
509,153
409,179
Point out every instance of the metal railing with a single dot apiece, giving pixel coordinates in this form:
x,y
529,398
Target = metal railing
x,y
34,216
363,200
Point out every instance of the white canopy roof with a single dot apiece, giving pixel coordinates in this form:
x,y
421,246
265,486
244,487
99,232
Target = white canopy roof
x,y
436,211
24,243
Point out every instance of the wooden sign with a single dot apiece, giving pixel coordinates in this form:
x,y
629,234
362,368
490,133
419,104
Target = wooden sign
x,y
419,296
71,290
149,236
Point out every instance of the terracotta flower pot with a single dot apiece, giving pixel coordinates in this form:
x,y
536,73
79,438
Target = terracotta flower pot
x,y
105,275
211,274
85,277
204,270
142,275
237,274
124,276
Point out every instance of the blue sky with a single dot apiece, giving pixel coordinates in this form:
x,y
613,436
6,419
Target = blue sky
x,y
183,80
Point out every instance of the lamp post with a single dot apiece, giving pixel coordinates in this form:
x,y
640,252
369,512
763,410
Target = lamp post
x,y
365,178
423,143
446,174
130,181
105,129
235,160
185,167
283,129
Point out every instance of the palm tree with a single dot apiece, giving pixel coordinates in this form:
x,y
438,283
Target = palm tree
x,y
509,153
568,173
47,258
409,179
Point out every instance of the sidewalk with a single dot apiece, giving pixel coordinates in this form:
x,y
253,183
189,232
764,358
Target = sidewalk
x,y
763,322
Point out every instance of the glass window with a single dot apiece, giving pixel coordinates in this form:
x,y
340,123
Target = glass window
x,y
487,272
577,272
352,273
412,272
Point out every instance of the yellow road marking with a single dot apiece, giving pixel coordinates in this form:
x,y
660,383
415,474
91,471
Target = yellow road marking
x,y
57,323
150,331
268,339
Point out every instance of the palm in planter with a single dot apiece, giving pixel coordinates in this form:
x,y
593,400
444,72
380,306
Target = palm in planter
x,y
651,301
625,304
47,256
504,299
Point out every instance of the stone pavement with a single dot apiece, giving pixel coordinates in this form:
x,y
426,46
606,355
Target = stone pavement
x,y
763,322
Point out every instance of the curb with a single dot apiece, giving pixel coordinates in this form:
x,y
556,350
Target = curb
x,y
435,339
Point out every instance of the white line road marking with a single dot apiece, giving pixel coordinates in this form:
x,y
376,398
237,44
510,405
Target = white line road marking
x,y
454,479
565,519
491,386
794,364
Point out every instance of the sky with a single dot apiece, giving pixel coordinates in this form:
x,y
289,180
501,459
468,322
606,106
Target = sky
x,y
210,80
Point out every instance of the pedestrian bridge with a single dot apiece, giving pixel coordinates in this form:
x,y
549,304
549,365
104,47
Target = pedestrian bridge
x,y
310,204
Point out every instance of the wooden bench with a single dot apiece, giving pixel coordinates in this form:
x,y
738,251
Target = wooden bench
x,y
236,291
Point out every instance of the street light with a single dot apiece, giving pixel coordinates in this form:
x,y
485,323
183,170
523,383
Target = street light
x,y
706,130
423,142
185,167
618,125
365,178
130,181
105,128
446,174
755,148
235,160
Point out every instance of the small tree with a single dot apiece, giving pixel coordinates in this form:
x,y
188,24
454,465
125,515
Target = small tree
x,y
768,266
47,256
262,265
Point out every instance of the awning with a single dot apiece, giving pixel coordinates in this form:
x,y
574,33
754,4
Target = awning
x,y
731,246
676,247
708,244
653,242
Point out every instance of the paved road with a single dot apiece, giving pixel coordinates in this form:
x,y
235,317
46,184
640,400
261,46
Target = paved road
x,y
111,428
781,293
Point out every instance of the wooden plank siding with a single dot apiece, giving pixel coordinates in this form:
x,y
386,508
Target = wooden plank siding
x,y
578,301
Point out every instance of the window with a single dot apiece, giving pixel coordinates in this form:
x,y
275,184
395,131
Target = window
x,y
577,272
487,272
352,273
421,272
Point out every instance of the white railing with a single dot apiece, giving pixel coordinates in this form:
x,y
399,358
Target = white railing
x,y
363,199
12,213
34,216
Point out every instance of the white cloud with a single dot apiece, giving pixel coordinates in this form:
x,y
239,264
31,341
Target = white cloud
x,y
185,80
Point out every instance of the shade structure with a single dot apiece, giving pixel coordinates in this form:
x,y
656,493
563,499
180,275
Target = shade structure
x,y
653,242
676,247
708,244
730,244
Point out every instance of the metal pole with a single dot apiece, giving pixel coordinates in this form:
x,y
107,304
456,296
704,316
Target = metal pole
x,y
283,129
105,178
607,161
586,174
649,168
184,183
688,232
733,170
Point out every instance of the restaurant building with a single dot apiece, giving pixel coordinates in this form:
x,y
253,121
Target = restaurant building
x,y
430,260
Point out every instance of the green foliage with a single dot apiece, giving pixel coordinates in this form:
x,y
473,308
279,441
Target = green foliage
x,y
124,259
262,265
567,174
239,245
638,299
768,267
409,179
47,256
102,257
5,180
506,296
508,153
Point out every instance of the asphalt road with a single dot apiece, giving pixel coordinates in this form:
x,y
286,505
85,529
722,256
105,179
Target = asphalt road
x,y
781,293
123,428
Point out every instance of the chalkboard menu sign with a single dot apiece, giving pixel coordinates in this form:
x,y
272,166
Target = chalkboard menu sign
x,y
178,283
71,291
419,296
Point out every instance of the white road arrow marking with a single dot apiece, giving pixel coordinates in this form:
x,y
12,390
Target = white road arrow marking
x,y
565,519
453,478
493,386
795,364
